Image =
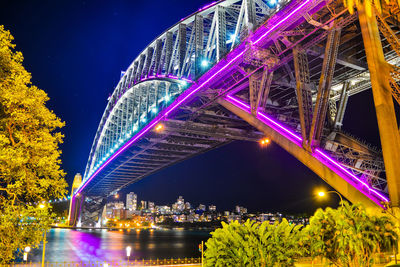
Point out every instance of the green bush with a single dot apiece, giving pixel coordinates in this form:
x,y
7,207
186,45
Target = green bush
x,y
349,236
254,244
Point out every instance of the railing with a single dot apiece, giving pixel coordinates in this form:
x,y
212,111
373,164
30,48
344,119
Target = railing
x,y
120,263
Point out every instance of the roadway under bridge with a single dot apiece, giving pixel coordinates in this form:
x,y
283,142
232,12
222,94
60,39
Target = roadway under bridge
x,y
246,69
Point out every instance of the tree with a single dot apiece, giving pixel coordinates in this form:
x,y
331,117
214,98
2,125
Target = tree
x,y
29,155
349,236
254,244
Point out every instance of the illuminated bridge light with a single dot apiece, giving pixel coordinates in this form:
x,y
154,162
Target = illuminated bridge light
x,y
204,63
318,154
271,3
264,141
206,81
159,127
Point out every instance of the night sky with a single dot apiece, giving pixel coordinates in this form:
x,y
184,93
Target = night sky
x,y
76,51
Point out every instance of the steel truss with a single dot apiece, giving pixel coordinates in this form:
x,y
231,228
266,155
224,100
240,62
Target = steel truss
x,y
300,71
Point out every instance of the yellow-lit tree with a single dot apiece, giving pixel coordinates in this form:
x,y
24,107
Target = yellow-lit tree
x,y
29,155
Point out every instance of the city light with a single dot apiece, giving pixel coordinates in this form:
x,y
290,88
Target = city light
x,y
321,194
264,141
116,196
42,206
159,127
154,110
27,249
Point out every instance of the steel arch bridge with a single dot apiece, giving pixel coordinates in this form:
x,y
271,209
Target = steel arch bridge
x,y
244,69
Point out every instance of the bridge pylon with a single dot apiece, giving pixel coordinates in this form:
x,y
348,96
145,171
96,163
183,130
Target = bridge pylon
x,y
74,205
380,75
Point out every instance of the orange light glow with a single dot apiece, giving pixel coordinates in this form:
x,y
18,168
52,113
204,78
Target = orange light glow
x,y
264,141
159,127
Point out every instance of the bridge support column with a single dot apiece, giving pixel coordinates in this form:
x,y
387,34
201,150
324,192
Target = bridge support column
x,y
75,210
384,106
75,202
91,210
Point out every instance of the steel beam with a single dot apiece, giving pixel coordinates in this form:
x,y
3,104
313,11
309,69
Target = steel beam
x,y
328,68
384,106
348,190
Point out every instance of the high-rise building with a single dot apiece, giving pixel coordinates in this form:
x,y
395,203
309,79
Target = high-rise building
x,y
180,204
202,207
187,206
131,201
212,208
144,205
151,207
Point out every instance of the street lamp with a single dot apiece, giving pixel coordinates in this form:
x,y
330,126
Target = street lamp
x,y
323,194
128,252
26,251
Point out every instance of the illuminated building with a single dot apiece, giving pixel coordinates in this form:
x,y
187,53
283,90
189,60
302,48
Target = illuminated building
x,y
131,201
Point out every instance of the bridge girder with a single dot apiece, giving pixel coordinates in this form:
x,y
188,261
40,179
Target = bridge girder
x,y
256,72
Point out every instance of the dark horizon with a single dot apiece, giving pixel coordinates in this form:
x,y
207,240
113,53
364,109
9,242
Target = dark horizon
x,y
76,50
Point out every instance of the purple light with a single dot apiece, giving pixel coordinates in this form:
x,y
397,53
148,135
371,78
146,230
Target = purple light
x,y
318,151
283,20
155,121
207,6
350,174
200,86
178,102
119,151
265,117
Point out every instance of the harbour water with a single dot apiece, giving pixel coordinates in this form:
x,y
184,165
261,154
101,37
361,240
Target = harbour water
x,y
67,245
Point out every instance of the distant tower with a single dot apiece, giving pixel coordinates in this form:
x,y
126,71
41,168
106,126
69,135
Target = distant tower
x,y
131,201
73,205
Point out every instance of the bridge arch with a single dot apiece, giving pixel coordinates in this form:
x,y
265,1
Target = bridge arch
x,y
272,74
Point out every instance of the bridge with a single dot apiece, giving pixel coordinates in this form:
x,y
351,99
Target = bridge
x,y
244,70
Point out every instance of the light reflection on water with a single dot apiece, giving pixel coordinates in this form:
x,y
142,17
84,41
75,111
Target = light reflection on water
x,y
108,245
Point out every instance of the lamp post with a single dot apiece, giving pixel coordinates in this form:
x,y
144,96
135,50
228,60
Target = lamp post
x,y
26,251
323,194
42,206
128,252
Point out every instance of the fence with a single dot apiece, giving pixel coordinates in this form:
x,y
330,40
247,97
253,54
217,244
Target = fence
x,y
120,263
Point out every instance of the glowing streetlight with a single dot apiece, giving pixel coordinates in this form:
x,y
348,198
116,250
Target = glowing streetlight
x,y
264,141
116,196
26,251
323,194
128,252
42,206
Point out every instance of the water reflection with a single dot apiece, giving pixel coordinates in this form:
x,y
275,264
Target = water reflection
x,y
108,245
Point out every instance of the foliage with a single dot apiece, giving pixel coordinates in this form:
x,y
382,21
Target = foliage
x,y
254,244
348,236
29,159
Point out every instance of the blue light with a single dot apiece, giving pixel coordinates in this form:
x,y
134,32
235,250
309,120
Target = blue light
x,y
232,37
167,98
154,110
271,3
204,63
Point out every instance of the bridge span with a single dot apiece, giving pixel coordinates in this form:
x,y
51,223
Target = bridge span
x,y
245,69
